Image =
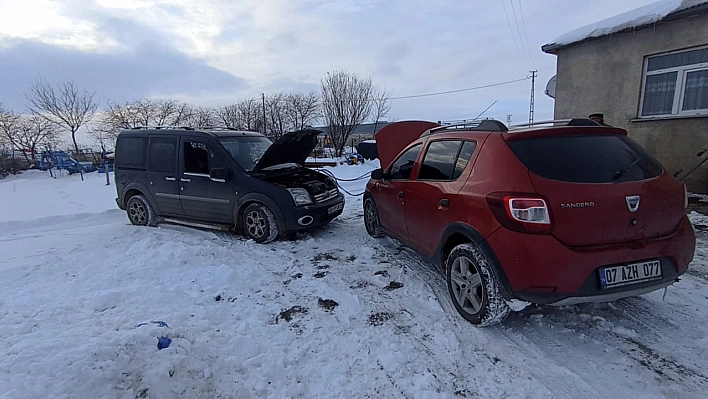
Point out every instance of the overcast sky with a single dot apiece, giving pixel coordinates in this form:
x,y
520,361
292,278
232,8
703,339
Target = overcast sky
x,y
220,51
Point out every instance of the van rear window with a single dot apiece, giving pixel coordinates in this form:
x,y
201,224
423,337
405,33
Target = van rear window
x,y
130,152
586,158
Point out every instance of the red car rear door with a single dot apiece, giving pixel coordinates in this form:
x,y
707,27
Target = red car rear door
x,y
431,202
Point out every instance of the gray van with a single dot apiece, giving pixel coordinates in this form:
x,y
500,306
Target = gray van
x,y
224,179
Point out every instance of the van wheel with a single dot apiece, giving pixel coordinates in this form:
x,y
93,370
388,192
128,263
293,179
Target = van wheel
x,y
473,288
140,212
259,223
371,219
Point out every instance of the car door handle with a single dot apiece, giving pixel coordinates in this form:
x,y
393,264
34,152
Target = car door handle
x,y
400,194
444,202
170,178
185,180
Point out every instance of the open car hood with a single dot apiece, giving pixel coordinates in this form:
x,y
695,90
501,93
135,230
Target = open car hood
x,y
293,147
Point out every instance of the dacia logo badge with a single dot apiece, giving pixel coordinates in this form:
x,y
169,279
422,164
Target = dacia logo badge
x,y
632,202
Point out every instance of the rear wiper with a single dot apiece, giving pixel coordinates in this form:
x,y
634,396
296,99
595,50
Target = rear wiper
x,y
621,173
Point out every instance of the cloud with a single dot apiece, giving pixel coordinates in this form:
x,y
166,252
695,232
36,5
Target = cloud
x,y
148,70
217,51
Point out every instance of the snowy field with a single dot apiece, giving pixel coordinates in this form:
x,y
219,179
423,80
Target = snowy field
x,y
85,296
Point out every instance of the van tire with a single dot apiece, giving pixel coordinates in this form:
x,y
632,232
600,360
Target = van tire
x,y
259,223
140,211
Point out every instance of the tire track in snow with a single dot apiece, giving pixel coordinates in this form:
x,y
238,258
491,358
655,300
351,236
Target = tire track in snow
x,y
560,365
471,341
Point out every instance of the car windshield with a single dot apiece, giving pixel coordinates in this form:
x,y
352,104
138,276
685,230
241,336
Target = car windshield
x,y
246,150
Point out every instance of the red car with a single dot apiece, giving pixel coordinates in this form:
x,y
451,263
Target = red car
x,y
555,214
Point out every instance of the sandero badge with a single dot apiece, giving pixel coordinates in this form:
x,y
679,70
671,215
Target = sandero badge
x,y
632,202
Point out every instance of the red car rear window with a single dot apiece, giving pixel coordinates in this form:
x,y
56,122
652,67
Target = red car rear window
x,y
586,158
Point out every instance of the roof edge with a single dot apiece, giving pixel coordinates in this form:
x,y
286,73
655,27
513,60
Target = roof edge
x,y
555,48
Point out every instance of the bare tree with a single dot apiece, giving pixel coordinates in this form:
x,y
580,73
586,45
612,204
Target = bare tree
x,y
181,115
65,106
164,111
36,132
28,134
381,106
228,116
277,115
112,120
303,109
250,114
125,116
202,117
346,103
144,110
8,126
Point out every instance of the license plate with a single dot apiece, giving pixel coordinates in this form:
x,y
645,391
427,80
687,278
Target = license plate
x,y
335,208
630,274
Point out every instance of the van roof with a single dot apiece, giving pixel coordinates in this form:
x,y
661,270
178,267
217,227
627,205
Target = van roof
x,y
213,132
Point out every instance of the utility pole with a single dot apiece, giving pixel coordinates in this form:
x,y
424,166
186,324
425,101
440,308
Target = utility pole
x,y
533,81
264,114
508,119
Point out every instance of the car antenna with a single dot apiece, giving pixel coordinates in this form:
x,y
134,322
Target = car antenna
x,y
485,110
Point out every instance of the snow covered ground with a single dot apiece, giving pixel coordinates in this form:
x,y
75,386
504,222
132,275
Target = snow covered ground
x,y
85,296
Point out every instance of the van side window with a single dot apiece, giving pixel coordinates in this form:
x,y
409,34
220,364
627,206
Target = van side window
x,y
131,152
403,166
196,157
162,154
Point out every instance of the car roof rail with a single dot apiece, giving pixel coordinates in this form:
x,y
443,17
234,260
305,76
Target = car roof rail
x,y
216,128
557,122
474,124
161,127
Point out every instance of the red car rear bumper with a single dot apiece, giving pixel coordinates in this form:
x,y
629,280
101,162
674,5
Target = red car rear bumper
x,y
541,269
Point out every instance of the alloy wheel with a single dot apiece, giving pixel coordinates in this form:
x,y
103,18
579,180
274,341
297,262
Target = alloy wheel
x,y
256,224
467,285
138,213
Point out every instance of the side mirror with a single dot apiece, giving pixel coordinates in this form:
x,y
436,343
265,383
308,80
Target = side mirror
x,y
377,174
220,173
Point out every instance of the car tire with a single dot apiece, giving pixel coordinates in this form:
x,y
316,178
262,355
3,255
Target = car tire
x,y
140,211
473,288
371,219
259,223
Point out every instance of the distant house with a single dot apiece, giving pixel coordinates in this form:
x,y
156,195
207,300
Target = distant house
x,y
365,131
647,71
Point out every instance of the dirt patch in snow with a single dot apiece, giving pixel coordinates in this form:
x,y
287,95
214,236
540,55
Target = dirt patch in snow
x,y
288,315
327,304
379,318
393,285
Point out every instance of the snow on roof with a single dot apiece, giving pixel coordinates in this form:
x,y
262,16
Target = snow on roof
x,y
639,17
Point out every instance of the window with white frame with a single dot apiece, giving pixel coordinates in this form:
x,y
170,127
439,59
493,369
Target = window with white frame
x,y
675,83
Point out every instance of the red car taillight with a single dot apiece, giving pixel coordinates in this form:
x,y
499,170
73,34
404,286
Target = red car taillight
x,y
525,213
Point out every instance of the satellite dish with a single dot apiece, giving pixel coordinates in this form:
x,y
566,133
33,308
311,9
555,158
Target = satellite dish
x,y
551,87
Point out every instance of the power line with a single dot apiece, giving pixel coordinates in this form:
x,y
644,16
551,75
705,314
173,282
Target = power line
x,y
524,48
511,30
523,23
459,90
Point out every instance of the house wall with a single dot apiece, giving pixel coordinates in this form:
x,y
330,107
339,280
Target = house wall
x,y
605,76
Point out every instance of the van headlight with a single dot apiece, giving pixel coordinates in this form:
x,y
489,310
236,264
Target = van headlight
x,y
300,196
